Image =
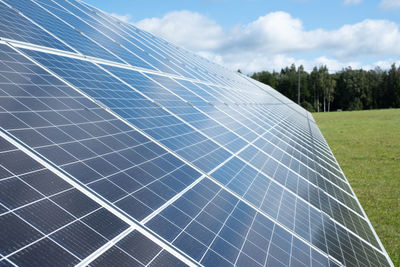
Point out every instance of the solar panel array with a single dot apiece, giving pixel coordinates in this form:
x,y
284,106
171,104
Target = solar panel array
x,y
119,148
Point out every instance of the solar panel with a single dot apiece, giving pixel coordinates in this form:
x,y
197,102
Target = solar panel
x,y
120,148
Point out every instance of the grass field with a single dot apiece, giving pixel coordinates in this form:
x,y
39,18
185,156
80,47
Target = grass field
x,y
367,147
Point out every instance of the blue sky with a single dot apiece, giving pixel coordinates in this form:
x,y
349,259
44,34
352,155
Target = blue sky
x,y
258,34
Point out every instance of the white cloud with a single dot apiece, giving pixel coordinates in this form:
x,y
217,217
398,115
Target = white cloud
x,y
124,18
250,63
193,30
272,40
369,37
352,2
388,4
383,64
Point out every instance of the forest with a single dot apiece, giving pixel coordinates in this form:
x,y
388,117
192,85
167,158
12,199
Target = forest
x,y
348,89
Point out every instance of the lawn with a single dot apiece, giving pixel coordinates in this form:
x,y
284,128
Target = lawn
x,y
367,147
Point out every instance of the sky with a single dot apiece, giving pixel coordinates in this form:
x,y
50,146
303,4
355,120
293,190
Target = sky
x,y
256,35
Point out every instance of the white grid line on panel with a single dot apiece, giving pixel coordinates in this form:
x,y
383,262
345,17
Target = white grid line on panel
x,y
24,45
35,201
313,171
299,132
219,231
272,94
295,130
245,238
309,204
105,18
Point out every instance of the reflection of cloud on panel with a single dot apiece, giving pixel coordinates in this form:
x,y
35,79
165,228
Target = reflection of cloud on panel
x,y
124,18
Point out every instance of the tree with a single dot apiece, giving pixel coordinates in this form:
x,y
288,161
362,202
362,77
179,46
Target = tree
x,y
314,76
393,86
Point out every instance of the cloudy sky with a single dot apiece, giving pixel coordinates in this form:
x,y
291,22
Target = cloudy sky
x,y
254,35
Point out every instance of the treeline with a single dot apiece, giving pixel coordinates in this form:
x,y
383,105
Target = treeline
x,y
347,89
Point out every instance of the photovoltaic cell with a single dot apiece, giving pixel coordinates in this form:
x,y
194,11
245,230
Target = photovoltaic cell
x,y
150,155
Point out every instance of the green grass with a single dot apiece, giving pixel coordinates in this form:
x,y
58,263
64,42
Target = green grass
x,y
367,147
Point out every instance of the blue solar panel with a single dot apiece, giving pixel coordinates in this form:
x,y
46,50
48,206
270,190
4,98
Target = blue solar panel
x,y
146,154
